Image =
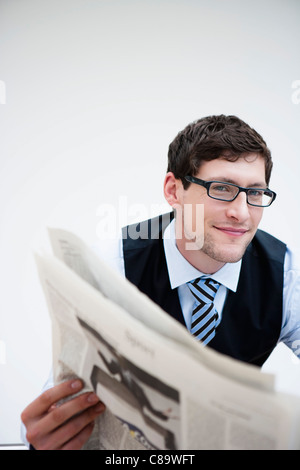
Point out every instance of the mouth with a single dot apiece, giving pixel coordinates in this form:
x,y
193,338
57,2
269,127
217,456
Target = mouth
x,y
232,232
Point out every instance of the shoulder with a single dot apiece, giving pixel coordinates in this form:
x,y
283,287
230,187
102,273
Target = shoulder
x,y
268,240
267,246
145,233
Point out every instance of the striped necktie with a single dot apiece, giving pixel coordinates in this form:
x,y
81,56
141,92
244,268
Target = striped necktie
x,y
205,318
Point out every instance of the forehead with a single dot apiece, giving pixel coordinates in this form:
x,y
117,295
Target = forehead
x,y
249,169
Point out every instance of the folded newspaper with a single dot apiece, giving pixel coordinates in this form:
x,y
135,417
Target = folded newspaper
x,y
161,387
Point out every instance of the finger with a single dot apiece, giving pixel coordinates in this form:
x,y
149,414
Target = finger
x,y
51,431
46,400
80,439
63,413
77,430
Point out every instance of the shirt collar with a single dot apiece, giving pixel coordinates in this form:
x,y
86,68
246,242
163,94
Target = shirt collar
x,y
181,271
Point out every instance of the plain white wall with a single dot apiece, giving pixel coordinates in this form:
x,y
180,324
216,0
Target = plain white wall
x,y
95,90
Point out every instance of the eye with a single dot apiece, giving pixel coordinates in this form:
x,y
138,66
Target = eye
x,y
256,192
221,188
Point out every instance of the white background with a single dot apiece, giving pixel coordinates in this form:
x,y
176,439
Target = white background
x,y
95,92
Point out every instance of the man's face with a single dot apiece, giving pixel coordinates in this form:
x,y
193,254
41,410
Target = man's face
x,y
228,226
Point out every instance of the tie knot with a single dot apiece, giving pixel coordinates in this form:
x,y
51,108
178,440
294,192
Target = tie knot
x,y
204,289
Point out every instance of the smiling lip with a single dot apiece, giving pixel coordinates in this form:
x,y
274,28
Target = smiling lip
x,y
233,232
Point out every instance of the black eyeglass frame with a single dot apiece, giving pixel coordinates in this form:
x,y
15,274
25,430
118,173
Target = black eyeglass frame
x,y
207,184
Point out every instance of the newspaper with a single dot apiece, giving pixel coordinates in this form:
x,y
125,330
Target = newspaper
x,y
162,388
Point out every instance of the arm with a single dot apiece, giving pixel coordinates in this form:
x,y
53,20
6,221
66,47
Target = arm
x,y
290,332
65,427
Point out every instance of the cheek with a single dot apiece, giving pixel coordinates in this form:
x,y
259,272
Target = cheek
x,y
213,214
257,216
194,195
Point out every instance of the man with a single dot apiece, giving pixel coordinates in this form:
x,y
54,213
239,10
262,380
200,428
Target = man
x,y
233,286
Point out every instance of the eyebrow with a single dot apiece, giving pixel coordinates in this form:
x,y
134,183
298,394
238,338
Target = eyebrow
x,y
228,180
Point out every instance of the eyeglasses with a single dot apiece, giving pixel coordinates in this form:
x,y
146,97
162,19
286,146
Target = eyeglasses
x,y
221,191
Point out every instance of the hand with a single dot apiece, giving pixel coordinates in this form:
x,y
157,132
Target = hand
x,y
68,426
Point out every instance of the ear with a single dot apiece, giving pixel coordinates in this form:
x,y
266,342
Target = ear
x,y
173,189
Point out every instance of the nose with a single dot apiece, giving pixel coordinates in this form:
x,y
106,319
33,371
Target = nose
x,y
239,208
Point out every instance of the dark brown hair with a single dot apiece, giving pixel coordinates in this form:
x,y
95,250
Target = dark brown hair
x,y
214,137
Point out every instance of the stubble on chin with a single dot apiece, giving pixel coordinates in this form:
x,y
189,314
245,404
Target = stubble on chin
x,y
224,253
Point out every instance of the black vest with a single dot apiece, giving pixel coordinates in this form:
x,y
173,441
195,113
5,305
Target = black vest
x,y
251,317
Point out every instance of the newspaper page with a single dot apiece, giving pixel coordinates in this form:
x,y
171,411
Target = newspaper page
x,y
74,253
158,393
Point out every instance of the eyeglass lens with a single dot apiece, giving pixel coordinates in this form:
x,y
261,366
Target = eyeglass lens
x,y
228,192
